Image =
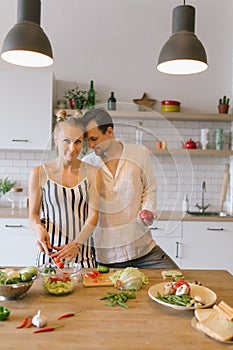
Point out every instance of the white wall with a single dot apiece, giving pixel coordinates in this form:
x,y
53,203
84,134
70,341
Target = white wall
x,y
116,43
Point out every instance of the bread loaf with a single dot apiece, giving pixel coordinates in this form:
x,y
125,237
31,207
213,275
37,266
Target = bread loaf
x,y
215,324
203,314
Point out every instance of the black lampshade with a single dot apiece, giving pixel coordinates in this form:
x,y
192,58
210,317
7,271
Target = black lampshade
x,y
183,53
26,44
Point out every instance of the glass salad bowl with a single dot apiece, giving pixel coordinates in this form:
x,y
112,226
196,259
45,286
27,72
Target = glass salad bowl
x,y
60,281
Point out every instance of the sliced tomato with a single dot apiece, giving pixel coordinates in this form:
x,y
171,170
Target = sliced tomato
x,y
179,283
59,279
59,263
92,274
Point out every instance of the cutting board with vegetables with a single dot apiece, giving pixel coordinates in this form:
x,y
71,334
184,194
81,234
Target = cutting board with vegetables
x,y
97,280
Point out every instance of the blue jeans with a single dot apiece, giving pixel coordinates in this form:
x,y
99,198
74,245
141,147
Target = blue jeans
x,y
155,259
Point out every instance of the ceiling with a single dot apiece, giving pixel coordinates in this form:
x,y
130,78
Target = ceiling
x,y
119,40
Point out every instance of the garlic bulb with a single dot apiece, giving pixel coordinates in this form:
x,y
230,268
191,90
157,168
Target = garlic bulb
x,y
39,320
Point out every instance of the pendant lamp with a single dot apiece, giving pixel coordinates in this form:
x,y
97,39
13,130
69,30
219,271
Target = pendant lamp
x,y
26,44
183,53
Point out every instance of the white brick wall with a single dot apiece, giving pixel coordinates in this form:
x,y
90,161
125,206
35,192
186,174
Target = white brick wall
x,y
175,175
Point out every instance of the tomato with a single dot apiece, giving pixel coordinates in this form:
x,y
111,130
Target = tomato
x,y
59,279
92,274
59,263
179,283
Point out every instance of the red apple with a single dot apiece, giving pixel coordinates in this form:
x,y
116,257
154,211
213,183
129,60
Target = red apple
x,y
146,215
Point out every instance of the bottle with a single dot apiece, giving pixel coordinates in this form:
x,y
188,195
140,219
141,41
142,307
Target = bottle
x,y
91,95
185,204
112,102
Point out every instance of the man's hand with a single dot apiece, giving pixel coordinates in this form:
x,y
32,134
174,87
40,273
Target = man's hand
x,y
146,217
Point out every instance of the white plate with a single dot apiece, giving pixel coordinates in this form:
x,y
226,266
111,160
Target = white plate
x,y
194,325
207,294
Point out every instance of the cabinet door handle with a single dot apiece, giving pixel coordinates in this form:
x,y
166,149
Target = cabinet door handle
x,y
215,229
153,228
177,249
13,225
18,140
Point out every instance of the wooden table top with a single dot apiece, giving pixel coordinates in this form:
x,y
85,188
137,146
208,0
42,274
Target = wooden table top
x,y
145,325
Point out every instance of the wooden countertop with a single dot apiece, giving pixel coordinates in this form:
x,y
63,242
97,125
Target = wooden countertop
x,y
145,325
164,215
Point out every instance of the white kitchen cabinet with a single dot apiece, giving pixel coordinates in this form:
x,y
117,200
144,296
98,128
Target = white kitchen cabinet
x,y
26,109
167,234
18,246
207,245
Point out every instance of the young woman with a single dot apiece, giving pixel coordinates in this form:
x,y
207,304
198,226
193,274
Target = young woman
x,y
64,198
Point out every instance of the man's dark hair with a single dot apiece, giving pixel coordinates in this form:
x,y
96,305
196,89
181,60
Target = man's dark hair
x,y
101,117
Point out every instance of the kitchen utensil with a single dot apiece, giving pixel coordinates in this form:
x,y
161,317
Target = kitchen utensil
x,y
205,293
170,106
98,281
60,281
204,138
225,184
219,139
15,291
190,144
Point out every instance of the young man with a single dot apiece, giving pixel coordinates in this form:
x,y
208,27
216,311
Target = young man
x,y
128,198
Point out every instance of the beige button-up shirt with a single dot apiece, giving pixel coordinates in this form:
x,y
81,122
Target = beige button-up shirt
x,y
118,236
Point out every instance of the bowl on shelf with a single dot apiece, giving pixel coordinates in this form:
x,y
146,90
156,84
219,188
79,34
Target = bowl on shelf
x,y
58,281
13,288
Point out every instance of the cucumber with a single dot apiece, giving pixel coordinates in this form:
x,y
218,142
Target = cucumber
x,y
102,269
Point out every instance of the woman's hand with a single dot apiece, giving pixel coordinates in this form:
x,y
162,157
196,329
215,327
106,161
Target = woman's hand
x,y
69,251
43,239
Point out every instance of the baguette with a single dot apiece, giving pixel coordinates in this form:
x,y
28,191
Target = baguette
x,y
216,326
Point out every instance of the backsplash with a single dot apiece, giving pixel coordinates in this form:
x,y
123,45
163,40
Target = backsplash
x,y
175,175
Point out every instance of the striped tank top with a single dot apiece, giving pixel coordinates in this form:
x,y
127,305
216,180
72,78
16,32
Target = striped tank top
x,y
63,212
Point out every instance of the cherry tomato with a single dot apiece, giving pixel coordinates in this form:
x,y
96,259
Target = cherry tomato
x,y
59,263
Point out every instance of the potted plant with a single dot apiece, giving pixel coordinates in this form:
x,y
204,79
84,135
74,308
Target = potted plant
x,y
77,98
223,105
6,185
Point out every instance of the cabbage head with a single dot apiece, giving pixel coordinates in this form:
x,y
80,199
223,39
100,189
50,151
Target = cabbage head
x,y
129,279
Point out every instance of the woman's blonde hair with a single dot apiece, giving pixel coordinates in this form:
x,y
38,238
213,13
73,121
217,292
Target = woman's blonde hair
x,y
69,119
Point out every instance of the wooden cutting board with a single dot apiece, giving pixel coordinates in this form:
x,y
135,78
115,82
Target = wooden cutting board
x,y
99,281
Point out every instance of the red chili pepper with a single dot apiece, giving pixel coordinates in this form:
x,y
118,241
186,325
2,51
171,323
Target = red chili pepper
x,y
67,315
23,324
30,324
46,329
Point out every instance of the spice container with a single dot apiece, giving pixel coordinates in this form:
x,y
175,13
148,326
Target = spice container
x,y
17,199
170,106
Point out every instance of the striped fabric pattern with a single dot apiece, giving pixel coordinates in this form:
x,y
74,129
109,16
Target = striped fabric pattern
x,y
64,211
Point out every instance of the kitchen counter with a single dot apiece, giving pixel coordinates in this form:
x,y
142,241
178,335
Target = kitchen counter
x,y
178,215
13,213
164,215
145,325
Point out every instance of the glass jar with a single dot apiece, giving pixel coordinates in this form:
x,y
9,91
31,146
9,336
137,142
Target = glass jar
x,y
17,198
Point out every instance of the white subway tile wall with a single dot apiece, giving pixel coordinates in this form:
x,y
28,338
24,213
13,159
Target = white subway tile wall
x,y
175,175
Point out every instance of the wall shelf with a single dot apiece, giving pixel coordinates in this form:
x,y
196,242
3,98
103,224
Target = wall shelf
x,y
155,115
192,152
